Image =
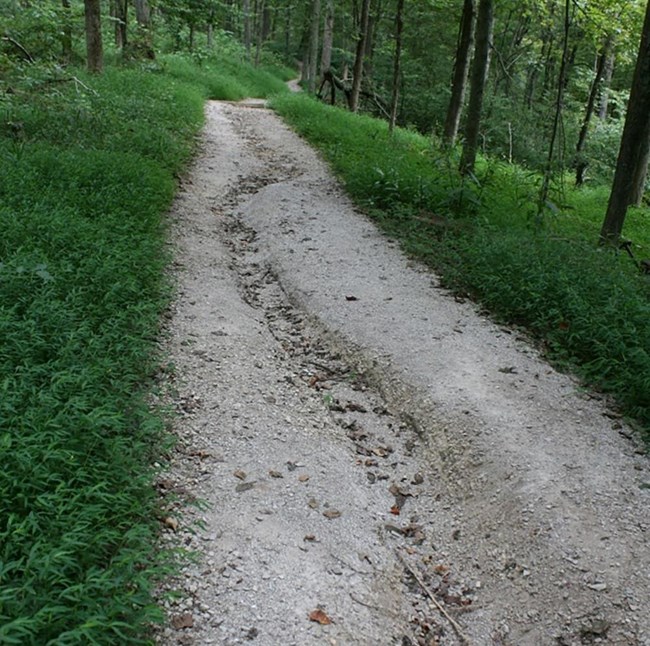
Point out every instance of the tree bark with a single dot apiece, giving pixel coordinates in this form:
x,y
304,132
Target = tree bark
x,y
480,69
399,26
559,105
144,46
580,161
607,82
314,29
358,61
66,32
246,11
328,38
94,46
461,72
121,15
633,153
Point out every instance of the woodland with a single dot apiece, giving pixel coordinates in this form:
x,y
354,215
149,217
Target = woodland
x,y
503,143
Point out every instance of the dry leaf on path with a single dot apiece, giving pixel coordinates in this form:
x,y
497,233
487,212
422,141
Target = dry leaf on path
x,y
332,513
320,617
275,474
313,503
303,478
244,486
183,621
240,474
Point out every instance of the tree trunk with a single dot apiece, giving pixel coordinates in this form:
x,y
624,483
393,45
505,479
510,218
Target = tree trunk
x,y
121,15
559,105
640,173
399,26
210,34
607,82
358,61
480,69
580,160
312,47
143,18
633,153
246,11
94,47
66,32
328,38
461,71
260,33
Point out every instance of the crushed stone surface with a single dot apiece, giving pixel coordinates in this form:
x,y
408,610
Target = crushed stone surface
x,y
362,458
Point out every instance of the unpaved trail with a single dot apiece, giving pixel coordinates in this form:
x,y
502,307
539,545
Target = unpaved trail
x,y
361,442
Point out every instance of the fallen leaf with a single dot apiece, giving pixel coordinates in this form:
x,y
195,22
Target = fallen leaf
x,y
441,569
349,297
313,503
303,478
244,486
275,474
332,513
371,463
355,408
309,537
240,474
183,621
292,466
395,510
314,380
171,522
320,617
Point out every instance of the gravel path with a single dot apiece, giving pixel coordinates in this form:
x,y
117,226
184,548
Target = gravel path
x,y
361,448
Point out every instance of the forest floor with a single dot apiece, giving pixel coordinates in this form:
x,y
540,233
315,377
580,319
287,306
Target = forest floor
x,y
374,461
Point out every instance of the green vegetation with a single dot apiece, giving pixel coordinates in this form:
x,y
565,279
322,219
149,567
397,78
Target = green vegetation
x,y
87,169
589,306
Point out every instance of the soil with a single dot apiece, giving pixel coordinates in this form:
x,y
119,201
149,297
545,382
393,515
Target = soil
x,y
362,458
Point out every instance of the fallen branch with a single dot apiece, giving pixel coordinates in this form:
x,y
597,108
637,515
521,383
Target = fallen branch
x,y
20,48
455,625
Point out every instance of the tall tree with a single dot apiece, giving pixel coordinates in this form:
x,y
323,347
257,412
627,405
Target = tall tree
x,y
480,69
633,153
66,31
580,160
312,50
461,72
94,46
246,13
360,55
397,63
328,38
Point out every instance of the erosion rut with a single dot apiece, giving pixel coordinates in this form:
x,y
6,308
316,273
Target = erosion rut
x,y
366,450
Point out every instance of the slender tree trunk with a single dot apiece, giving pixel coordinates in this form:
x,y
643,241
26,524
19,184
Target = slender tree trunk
x,y
260,33
480,69
328,38
399,26
461,72
559,104
358,61
633,153
210,33
580,160
246,11
119,15
607,82
312,47
66,32
143,18
94,47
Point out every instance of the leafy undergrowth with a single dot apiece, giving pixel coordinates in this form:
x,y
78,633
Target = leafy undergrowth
x,y
87,169
484,235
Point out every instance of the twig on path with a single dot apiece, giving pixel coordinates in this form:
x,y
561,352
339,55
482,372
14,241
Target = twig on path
x,y
455,625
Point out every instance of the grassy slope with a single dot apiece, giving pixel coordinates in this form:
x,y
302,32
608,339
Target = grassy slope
x,y
86,176
591,308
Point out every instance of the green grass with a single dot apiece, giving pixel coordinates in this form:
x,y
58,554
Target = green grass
x,y
590,307
86,175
